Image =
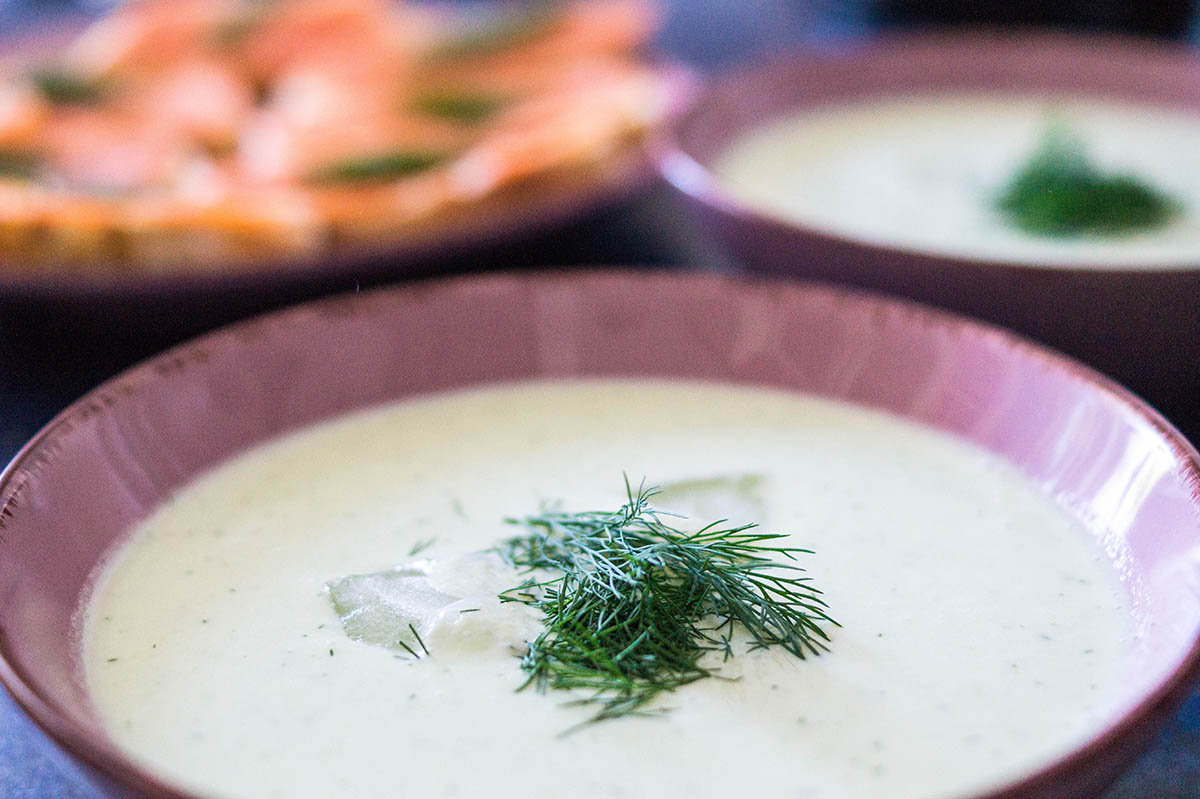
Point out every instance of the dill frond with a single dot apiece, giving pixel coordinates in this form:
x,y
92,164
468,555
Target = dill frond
x,y
631,604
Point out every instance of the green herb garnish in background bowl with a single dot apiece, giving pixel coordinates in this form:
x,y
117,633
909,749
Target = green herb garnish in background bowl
x,y
632,605
62,87
466,107
376,168
1061,192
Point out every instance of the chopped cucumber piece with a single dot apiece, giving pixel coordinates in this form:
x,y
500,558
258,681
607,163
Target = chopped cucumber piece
x,y
385,608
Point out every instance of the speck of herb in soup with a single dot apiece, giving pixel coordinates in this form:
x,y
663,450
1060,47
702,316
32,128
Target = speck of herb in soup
x,y
464,107
421,546
376,168
632,604
417,635
408,649
62,87
1061,192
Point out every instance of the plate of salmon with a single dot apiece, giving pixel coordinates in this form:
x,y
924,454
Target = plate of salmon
x,y
176,141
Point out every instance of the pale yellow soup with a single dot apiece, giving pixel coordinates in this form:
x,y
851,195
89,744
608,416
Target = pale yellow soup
x,y
983,631
922,172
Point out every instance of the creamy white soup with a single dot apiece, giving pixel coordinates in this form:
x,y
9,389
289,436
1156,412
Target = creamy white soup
x,y
983,632
922,173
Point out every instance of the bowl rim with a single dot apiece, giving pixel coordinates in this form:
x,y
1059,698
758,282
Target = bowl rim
x,y
103,755
688,175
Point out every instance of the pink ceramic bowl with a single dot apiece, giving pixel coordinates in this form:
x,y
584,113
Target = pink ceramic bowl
x,y
113,456
1139,325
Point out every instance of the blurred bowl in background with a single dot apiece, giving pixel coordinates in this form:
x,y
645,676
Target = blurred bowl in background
x,y
1136,321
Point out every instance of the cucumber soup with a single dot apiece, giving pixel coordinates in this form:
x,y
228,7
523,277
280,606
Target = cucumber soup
x,y
923,172
983,632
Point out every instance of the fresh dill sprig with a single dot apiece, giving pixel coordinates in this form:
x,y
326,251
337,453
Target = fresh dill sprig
x,y
631,605
1060,191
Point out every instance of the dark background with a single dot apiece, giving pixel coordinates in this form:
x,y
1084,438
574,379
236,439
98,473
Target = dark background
x,y
52,353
